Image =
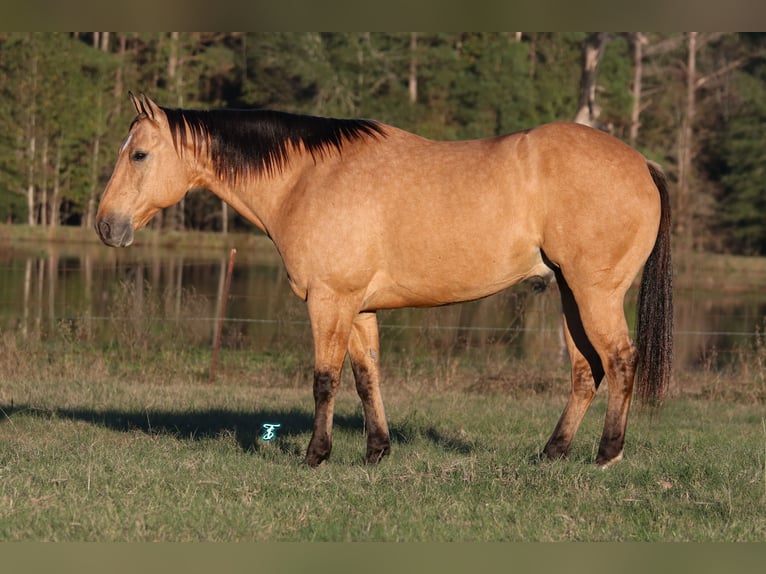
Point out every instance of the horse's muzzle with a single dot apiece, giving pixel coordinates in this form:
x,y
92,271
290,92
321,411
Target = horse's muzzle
x,y
115,230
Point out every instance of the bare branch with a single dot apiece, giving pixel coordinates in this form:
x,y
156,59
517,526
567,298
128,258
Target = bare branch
x,y
720,72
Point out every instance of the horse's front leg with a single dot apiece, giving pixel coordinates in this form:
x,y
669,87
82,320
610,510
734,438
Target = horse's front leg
x,y
364,350
330,326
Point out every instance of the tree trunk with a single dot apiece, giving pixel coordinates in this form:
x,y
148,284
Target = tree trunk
x,y
31,171
56,198
413,80
44,185
224,217
593,50
119,87
638,39
32,142
90,213
685,147
175,213
173,65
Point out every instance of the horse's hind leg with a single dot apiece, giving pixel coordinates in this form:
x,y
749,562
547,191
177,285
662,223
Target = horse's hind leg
x,y
364,350
599,342
587,373
603,319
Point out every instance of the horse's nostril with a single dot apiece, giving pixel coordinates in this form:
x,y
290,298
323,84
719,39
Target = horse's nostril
x,y
104,229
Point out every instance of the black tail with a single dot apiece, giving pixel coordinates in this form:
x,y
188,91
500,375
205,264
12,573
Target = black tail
x,y
654,324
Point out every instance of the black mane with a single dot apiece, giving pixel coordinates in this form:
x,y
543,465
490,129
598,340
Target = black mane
x,y
254,142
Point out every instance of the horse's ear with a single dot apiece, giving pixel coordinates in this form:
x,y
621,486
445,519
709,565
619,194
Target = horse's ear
x,y
144,105
149,107
136,103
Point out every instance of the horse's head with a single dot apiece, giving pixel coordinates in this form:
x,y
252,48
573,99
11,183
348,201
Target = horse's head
x,y
149,175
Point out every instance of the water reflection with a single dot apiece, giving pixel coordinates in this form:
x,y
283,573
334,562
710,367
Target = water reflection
x,y
85,286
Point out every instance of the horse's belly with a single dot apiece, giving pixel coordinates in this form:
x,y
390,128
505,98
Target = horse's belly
x,y
427,284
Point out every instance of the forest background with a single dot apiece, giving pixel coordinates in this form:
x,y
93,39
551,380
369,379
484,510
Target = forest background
x,y
693,102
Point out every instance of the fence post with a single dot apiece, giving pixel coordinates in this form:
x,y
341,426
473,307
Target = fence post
x,y
222,314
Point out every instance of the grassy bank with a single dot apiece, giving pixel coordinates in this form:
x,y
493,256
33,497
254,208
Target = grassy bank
x,y
76,241
23,235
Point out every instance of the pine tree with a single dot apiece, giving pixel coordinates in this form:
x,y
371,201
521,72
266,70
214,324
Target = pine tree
x,y
743,202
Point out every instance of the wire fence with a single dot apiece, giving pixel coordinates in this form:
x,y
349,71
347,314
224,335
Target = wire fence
x,y
754,334
694,347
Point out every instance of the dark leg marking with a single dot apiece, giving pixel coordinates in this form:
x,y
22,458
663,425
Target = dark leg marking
x,y
378,441
622,370
320,446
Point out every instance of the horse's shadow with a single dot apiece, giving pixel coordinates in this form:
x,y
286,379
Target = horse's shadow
x,y
247,427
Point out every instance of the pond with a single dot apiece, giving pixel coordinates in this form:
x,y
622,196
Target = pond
x,y
45,285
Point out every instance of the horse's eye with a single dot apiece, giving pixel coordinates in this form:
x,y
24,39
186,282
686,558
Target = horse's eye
x,y
139,156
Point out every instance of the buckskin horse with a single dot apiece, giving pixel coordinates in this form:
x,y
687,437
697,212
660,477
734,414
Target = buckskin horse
x,y
367,216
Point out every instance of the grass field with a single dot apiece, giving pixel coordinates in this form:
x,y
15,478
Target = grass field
x,y
99,446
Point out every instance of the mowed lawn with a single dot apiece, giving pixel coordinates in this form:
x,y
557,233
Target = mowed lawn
x,y
88,453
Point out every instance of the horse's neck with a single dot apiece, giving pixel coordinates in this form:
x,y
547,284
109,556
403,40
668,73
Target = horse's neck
x,y
258,198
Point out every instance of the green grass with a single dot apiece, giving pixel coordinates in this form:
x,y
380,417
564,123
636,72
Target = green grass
x,y
93,451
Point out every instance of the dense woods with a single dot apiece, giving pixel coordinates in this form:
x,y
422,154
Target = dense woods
x,y
694,102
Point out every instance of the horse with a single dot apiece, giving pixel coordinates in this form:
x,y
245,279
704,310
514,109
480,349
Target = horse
x,y
366,216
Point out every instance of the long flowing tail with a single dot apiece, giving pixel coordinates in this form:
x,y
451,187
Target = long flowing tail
x,y
654,323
